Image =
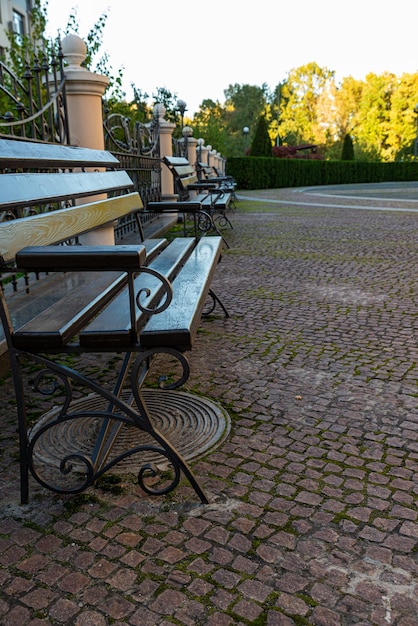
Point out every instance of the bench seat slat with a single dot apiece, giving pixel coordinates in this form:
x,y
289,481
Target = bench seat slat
x,y
208,199
177,325
112,327
57,324
54,327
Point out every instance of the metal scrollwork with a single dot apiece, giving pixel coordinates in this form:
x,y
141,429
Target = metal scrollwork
x,y
146,356
150,470
133,138
61,462
145,292
76,469
46,383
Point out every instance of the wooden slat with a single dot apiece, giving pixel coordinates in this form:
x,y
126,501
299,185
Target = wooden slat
x,y
62,320
173,160
54,327
27,154
21,190
185,172
57,226
44,294
220,201
177,325
111,328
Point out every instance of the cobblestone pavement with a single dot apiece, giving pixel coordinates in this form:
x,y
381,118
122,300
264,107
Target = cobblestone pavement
x,y
313,516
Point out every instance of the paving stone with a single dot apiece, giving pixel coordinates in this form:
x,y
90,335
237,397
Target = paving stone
x,y
313,493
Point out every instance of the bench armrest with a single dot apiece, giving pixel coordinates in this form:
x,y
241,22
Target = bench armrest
x,y
85,258
182,207
202,185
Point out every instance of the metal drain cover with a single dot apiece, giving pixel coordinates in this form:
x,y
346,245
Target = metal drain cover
x,y
194,425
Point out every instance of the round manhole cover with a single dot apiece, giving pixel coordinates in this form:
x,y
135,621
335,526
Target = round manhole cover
x,y
193,425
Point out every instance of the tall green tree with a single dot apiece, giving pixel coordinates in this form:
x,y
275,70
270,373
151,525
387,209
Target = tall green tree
x,y
403,127
261,143
209,123
300,93
373,119
347,153
244,104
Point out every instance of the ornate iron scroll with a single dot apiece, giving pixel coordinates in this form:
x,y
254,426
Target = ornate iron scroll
x,y
123,135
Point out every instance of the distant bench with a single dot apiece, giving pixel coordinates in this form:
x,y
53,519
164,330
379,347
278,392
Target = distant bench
x,y
214,199
139,300
210,174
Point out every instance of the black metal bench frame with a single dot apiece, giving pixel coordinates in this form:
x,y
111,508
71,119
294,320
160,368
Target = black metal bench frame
x,y
210,174
137,300
213,196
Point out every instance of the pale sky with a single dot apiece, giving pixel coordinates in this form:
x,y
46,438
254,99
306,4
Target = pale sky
x,y
197,50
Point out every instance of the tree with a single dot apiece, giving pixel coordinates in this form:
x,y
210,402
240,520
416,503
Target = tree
x,y
261,143
96,60
209,123
373,118
347,153
403,120
300,93
244,104
22,49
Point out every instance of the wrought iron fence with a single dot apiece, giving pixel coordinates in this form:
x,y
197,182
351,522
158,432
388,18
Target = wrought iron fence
x,y
34,106
137,147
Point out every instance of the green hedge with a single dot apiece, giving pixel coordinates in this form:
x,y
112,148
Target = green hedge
x,y
273,173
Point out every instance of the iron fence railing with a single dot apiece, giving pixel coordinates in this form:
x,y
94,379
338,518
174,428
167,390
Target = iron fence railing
x,y
34,106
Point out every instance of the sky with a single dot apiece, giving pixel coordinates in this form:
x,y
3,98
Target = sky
x,y
196,50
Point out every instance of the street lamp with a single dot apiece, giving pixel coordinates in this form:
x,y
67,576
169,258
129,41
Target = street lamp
x,y
416,133
245,132
182,107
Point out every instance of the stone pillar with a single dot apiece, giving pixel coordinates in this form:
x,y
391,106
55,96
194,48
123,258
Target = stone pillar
x,y
191,145
166,149
84,91
205,154
199,150
84,96
208,155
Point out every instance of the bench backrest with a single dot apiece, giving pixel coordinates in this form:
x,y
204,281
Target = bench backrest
x,y
206,172
66,175
184,173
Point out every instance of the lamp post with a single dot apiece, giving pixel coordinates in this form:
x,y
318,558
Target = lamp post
x,y
416,133
182,107
245,132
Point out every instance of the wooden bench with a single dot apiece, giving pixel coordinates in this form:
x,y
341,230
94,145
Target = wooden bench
x,y
215,200
135,300
209,173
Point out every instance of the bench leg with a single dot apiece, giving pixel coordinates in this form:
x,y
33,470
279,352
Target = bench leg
x,y
75,469
212,302
21,425
221,218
